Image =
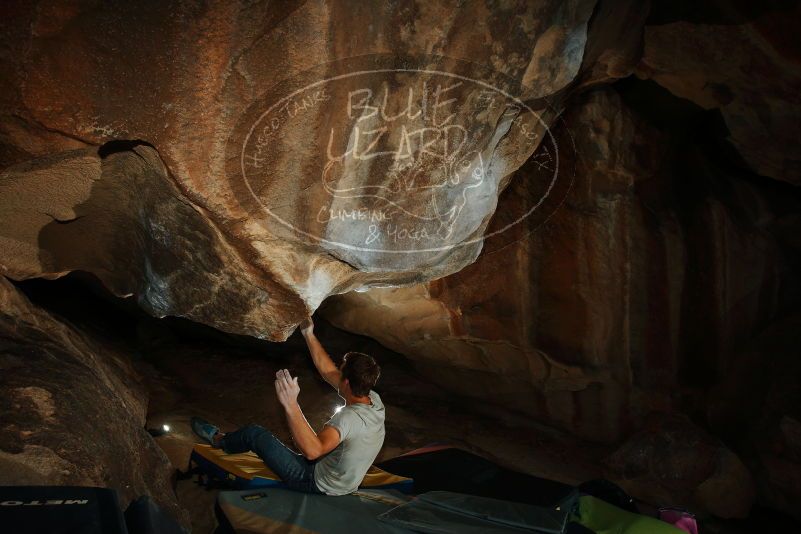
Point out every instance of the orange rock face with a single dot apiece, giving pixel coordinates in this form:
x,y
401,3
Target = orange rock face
x,y
577,210
601,314
319,163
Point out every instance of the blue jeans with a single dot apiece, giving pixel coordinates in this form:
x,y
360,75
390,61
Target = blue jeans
x,y
294,469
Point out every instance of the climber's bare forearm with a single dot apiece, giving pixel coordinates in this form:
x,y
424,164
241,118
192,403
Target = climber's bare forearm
x,y
305,437
322,361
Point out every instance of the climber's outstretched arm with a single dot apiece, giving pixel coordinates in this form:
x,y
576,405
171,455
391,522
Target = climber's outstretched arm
x,y
322,361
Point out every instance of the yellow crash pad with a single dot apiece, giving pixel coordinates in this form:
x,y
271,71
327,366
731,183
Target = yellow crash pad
x,y
248,466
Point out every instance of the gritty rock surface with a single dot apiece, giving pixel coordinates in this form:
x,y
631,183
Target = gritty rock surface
x,y
675,461
123,219
315,163
71,409
747,66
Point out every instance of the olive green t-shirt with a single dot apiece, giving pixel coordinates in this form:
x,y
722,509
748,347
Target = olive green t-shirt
x,y
361,432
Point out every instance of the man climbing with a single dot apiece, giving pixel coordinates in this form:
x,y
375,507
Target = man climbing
x,y
334,461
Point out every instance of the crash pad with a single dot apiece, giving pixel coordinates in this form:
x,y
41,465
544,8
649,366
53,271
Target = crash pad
x,y
60,510
247,470
441,512
452,469
604,518
273,510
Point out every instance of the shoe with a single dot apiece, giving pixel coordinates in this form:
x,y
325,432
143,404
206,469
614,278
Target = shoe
x,y
204,430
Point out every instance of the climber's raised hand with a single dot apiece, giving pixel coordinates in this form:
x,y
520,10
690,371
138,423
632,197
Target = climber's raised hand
x,y
286,388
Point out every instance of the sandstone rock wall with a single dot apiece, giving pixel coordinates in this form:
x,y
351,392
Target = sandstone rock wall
x,y
73,410
637,286
211,161
200,84
744,60
120,217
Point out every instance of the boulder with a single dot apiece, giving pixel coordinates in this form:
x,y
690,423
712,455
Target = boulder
x,y
743,59
672,462
120,217
756,407
72,409
315,164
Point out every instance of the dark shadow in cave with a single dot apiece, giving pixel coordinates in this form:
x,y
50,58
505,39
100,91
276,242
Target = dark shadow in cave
x,y
713,11
81,299
121,145
706,167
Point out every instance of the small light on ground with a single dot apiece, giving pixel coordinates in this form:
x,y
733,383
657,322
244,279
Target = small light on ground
x,y
166,428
